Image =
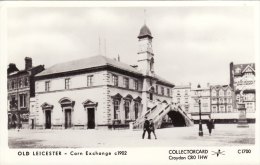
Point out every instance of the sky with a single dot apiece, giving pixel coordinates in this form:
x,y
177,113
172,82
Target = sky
x,y
191,43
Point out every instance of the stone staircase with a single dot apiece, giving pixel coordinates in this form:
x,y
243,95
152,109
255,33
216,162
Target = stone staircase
x,y
157,111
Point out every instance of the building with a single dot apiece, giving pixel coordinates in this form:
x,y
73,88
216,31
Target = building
x,y
242,80
221,99
20,89
200,94
182,96
99,92
188,96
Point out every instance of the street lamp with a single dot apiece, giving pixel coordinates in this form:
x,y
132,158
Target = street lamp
x,y
200,123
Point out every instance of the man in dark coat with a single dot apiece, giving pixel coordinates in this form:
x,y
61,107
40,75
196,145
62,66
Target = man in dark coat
x,y
152,128
146,128
210,125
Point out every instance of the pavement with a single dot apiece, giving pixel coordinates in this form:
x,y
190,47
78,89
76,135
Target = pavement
x,y
222,135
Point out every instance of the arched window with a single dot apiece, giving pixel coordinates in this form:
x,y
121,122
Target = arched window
x,y
116,103
214,93
221,92
152,65
136,107
116,109
127,105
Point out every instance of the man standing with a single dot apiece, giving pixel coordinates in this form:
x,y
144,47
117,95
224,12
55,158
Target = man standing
x,y
146,128
151,128
210,126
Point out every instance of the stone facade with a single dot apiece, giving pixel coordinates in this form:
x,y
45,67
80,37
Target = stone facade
x,y
98,92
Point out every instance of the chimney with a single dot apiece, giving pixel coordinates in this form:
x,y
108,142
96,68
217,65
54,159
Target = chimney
x,y
12,68
231,76
28,63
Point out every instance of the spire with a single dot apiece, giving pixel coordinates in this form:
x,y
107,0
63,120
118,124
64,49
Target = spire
x,y
144,17
145,31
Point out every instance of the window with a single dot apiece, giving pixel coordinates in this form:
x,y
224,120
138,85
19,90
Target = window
x,y
47,86
136,84
228,93
214,93
13,84
13,102
214,109
178,92
90,80
127,103
221,92
115,80
186,100
67,83
186,92
23,100
229,108
26,82
222,109
168,92
126,82
151,96
20,83
116,109
220,101
136,109
156,89
162,90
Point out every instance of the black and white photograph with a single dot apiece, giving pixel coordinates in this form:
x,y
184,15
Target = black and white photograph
x,y
131,76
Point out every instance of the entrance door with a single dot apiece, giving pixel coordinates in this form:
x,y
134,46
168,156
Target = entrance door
x,y
67,118
47,119
91,118
32,123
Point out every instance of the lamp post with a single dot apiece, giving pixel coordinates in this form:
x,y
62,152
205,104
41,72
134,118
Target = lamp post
x,y
200,123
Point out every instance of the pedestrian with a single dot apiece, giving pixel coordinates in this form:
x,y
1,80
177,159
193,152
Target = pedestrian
x,y
146,128
152,129
210,126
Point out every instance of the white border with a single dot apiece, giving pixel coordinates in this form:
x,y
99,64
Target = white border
x,y
135,155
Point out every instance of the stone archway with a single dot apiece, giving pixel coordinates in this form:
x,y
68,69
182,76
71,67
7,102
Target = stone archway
x,y
177,119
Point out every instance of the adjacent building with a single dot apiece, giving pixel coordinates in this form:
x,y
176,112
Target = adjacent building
x,y
182,96
221,99
20,89
200,94
242,80
99,92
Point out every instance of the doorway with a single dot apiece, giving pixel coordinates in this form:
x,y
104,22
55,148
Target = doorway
x,y
67,118
91,118
32,124
48,119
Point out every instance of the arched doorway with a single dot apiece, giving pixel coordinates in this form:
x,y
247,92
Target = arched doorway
x,y
47,110
177,119
90,107
67,107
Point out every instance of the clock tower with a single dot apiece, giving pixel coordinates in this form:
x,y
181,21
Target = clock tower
x,y
145,51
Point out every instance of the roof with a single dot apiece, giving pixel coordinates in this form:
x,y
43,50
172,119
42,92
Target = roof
x,y
145,32
239,68
91,62
33,70
163,81
220,86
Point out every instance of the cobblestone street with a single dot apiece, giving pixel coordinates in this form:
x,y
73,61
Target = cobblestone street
x,y
223,135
